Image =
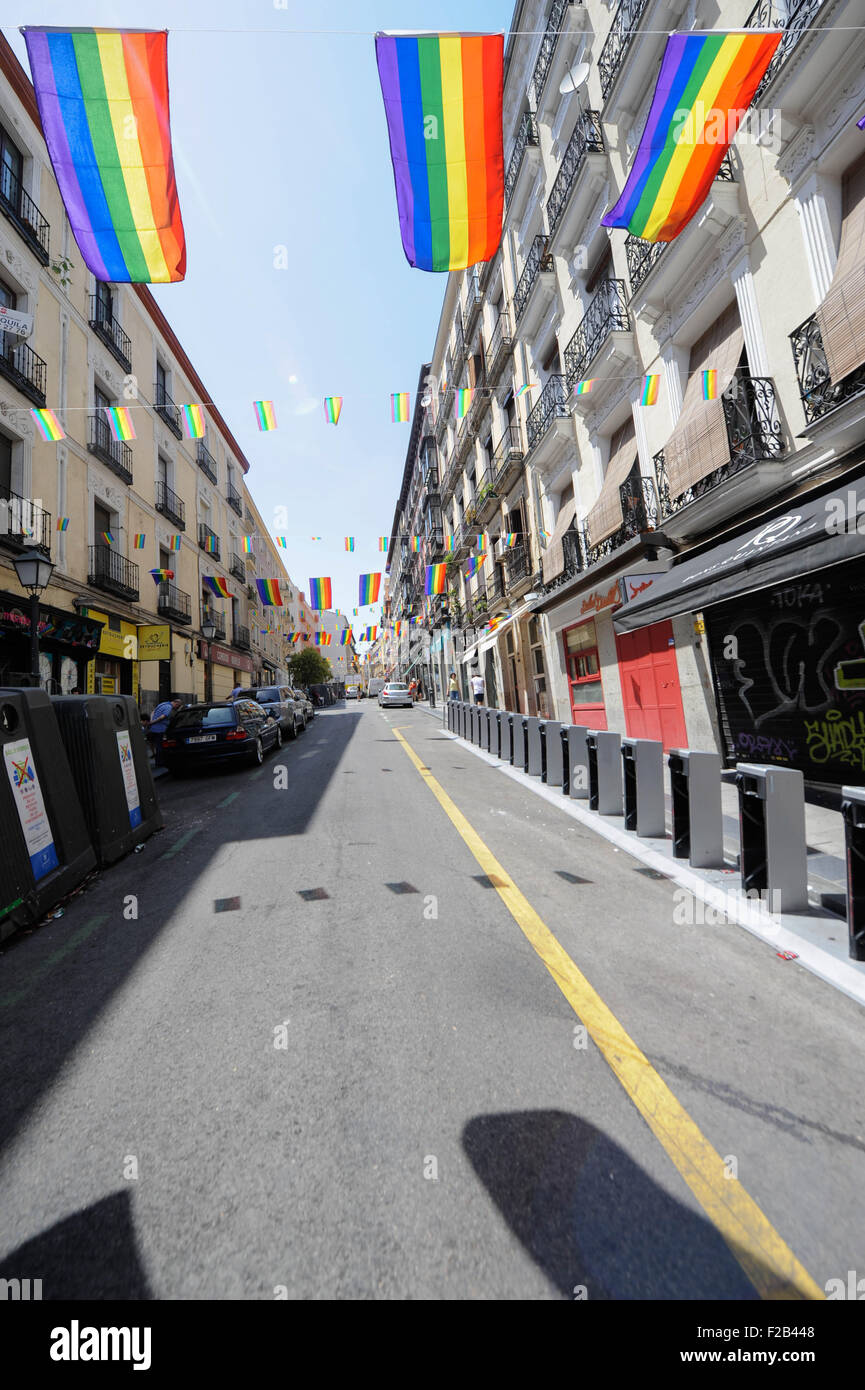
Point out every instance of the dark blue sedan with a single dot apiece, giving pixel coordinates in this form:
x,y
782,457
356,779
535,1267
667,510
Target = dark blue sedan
x,y
219,732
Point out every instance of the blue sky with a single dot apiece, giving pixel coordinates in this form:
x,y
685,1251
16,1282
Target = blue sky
x,y
280,141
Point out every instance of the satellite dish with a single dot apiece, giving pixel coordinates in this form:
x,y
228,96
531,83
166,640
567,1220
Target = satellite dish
x,y
575,77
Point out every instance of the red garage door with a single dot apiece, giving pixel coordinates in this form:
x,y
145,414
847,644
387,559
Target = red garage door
x,y
650,685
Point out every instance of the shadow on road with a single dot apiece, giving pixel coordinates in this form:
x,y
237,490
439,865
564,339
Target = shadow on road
x,y
92,1254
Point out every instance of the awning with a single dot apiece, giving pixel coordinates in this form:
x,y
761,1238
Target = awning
x,y
553,558
605,517
809,537
489,639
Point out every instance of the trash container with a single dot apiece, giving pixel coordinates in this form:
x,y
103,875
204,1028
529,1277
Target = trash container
x,y
45,850
519,754
695,790
605,773
494,732
853,811
575,752
643,783
772,845
554,763
534,752
505,744
107,753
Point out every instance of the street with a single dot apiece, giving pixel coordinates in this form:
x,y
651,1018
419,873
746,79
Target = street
x,y
319,1040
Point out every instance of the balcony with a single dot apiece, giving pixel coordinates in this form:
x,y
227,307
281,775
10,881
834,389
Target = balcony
x,y
238,568
795,20
486,499
459,353
444,413
21,365
820,394
24,215
565,22
715,216
551,405
574,561
585,154
518,569
497,352
111,571
170,505
641,513
496,588
23,523
474,300
205,460
618,41
527,138
167,410
106,327
463,540
506,460
465,439
607,314
241,638
234,499
114,453
217,617
208,541
173,603
538,273
452,472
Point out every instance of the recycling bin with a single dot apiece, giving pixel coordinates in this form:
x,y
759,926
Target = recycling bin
x,y
554,763
605,773
853,811
492,733
519,751
505,744
483,728
464,720
575,752
108,756
643,785
772,845
45,849
534,752
698,825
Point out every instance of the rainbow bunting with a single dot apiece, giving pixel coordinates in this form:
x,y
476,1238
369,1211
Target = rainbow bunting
x,y
103,101
323,639
246,544
265,415
49,426
436,579
162,576
268,591
383,544
650,389
332,409
369,587
706,83
320,593
545,536
216,584
462,401
399,407
120,422
443,102
193,421
369,634
583,388
63,523
483,541
315,538
139,540
415,543
173,542
210,545
509,539
282,542
107,537
450,545
527,386
710,384
345,637
349,542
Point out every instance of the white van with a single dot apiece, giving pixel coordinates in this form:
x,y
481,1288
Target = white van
x,y
376,686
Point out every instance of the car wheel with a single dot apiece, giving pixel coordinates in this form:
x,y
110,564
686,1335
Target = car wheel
x,y
293,730
256,756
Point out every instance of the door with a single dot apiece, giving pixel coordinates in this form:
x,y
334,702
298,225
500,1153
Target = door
x,y
585,687
651,693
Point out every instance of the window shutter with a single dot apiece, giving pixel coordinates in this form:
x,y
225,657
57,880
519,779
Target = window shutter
x,y
841,316
699,442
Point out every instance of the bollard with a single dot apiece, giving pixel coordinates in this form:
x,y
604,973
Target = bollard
x,y
465,721
554,763
518,741
605,773
494,732
472,724
452,709
485,729
505,744
698,826
576,757
853,811
643,781
773,851
534,752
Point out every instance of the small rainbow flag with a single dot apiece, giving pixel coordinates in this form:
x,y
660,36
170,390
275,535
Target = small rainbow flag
x,y
583,388
369,634
246,544
315,538
545,536
265,415
509,539
650,389
416,543
527,386
462,401
710,384
369,587
193,421
450,544
483,541
216,584
320,593
63,523
139,540
107,537
399,407
282,542
323,639
349,542
210,545
48,425
120,422
162,576
268,591
436,579
173,542
383,543
332,409
346,637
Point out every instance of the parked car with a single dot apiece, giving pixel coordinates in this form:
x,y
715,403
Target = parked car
x,y
352,691
395,693
282,704
304,701
219,731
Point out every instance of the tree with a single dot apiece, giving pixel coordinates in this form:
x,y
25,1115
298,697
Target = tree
x,y
309,667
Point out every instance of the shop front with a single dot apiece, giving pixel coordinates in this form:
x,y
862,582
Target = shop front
x,y
223,669
68,645
583,657
115,670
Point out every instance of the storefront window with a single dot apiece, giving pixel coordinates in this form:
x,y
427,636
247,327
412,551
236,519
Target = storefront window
x,y
584,669
68,675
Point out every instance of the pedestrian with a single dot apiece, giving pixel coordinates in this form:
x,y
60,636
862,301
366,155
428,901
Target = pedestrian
x,y
159,721
412,690
478,688
453,687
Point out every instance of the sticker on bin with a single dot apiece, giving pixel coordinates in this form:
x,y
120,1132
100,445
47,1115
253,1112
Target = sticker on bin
x,y
127,767
27,794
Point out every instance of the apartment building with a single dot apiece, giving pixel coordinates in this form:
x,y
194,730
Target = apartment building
x,y
161,501
635,541
341,655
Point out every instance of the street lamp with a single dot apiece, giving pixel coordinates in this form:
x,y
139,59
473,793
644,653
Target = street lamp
x,y
34,571
208,632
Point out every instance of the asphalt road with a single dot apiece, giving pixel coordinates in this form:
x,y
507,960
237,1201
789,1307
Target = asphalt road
x,y
360,1080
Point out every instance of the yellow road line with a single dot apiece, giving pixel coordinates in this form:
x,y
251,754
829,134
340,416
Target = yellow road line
x,y
768,1262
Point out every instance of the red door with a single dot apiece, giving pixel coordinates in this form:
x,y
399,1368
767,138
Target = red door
x,y
649,674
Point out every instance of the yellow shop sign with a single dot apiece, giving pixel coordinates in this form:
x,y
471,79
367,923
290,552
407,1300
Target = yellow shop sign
x,y
121,640
154,642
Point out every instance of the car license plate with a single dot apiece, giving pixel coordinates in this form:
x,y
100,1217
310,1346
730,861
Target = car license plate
x,y
203,738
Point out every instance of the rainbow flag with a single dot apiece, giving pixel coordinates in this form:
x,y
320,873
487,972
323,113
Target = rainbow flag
x,y
650,389
265,415
527,386
369,587
173,543
706,83
193,421
282,542
216,584
107,537
349,542
103,101
139,540
509,540
120,422
320,593
210,545
63,523
462,401
323,639
583,388
416,543
162,576
268,591
710,384
48,425
332,409
436,579
483,541
450,545
443,101
345,637
399,407
246,545
315,538
383,544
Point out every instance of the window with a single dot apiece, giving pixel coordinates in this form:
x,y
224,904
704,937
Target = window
x,y
584,668
5,466
101,521
11,170
100,400
8,300
104,302
601,270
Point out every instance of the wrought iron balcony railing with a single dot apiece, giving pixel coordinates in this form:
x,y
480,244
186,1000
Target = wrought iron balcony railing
x,y
208,541
241,637
217,617
538,260
106,327
234,499
507,455
552,404
23,367
23,213
643,256
588,138
794,19
498,350
618,41
819,392
641,512
206,461
527,134
574,564
460,346
548,47
474,300
606,314
238,568
170,505
167,410
496,586
114,453
174,603
23,523
111,571
518,566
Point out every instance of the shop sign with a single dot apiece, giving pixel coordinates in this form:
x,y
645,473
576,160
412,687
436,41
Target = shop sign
x,y
635,585
154,642
127,767
123,644
599,598
75,631
224,656
27,795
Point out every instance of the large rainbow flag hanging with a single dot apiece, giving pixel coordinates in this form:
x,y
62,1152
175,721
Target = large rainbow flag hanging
x,y
103,102
706,83
436,579
443,103
216,584
369,587
268,591
320,593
